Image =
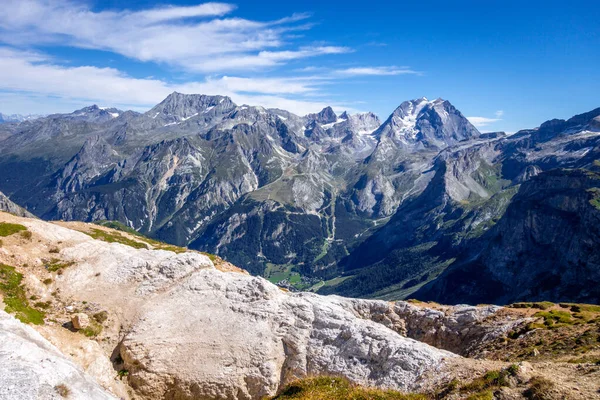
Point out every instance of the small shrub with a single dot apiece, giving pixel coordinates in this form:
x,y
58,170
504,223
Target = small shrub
x,y
54,250
543,305
92,330
62,390
44,305
1,243
26,235
513,369
101,317
539,389
56,265
123,373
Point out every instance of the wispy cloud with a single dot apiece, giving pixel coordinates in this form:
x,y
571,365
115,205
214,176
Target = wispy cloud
x,y
218,53
376,71
195,38
482,122
33,75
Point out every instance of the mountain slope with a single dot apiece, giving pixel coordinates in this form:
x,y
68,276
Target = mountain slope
x,y
544,247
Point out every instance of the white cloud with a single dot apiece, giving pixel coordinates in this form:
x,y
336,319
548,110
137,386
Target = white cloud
x,y
195,38
29,76
482,122
377,71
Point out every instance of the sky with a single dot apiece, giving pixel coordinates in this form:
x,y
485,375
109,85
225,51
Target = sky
x,y
506,65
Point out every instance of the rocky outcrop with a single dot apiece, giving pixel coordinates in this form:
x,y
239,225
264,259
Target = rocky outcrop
x,y
8,206
250,338
31,368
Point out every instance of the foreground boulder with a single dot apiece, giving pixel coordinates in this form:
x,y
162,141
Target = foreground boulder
x,y
230,336
31,368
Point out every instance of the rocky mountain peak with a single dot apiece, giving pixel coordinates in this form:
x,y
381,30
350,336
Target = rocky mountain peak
x,y
423,123
325,116
178,106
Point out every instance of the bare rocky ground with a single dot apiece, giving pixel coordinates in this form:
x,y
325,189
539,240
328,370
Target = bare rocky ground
x,y
160,322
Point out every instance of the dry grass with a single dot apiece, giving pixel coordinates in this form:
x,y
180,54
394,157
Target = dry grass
x,y
62,390
540,389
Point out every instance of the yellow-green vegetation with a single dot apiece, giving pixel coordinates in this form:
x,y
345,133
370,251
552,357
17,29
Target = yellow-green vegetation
x,y
26,235
154,243
542,305
564,330
7,229
92,330
211,257
335,388
114,237
56,265
491,380
277,273
481,388
15,297
595,200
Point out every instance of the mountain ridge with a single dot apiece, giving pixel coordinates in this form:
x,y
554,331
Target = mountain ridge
x,y
289,197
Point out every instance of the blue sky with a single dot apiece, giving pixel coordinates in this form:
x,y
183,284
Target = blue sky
x,y
506,65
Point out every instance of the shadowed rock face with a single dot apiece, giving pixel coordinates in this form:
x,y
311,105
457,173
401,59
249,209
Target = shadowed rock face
x,y
544,247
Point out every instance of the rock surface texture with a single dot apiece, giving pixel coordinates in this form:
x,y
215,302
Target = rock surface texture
x,y
31,368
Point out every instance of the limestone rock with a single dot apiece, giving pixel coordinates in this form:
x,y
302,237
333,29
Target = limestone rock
x,y
33,369
232,336
80,321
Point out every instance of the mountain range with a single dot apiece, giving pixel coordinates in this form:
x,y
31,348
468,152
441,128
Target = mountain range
x,y
420,205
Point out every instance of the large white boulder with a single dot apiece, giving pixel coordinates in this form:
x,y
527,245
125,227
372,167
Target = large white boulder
x,y
33,369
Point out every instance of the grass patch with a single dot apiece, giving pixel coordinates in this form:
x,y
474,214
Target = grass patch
x,y
542,305
485,395
15,297
539,389
211,257
335,388
55,265
26,235
482,388
554,318
93,330
154,243
7,229
114,237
